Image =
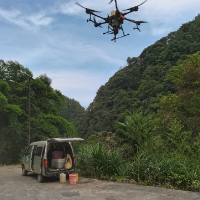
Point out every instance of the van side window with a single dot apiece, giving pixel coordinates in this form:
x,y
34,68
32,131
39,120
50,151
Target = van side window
x,y
38,151
28,152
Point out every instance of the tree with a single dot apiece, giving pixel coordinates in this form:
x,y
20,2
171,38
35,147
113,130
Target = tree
x,y
136,130
45,105
179,112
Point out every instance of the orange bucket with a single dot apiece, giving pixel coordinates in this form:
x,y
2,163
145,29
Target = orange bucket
x,y
76,177
72,179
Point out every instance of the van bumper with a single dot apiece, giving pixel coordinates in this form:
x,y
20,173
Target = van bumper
x,y
57,173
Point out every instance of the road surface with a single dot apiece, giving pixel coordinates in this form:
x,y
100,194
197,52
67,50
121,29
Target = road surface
x,y
14,186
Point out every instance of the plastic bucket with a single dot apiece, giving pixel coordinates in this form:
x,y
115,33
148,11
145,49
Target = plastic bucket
x,y
62,178
76,177
72,179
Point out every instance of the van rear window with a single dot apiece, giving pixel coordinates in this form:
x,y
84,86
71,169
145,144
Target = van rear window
x,y
38,151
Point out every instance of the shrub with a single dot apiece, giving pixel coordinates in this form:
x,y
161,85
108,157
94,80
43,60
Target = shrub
x,y
97,161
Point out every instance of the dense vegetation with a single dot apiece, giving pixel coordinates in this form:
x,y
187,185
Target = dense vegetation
x,y
162,148
145,119
72,111
14,108
142,82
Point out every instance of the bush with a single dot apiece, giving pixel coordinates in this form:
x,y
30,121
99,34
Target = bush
x,y
169,170
97,161
173,170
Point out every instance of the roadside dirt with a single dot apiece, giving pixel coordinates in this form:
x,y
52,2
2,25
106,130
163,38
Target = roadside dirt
x,y
14,186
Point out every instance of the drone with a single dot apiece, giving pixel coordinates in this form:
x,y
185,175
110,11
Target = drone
x,y
114,21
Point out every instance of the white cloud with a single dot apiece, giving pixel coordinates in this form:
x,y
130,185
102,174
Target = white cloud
x,y
25,21
75,80
39,19
80,85
67,49
166,11
163,15
78,53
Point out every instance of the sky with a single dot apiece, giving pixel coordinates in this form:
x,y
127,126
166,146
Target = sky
x,y
53,37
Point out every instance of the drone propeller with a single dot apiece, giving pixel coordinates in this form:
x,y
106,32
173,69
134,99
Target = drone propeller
x,y
110,1
136,22
88,10
95,23
135,8
115,4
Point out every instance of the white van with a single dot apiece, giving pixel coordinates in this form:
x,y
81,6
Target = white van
x,y
40,158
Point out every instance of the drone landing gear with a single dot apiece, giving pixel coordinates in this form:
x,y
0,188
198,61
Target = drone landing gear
x,y
115,32
114,39
136,28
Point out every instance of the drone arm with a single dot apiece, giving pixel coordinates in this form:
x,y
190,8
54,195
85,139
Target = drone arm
x,y
101,23
133,9
130,20
127,13
99,16
97,24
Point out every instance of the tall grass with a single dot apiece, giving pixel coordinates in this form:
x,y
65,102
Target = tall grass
x,y
96,161
174,171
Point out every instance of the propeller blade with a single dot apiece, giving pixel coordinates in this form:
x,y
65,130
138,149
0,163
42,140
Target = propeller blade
x,y
136,22
143,3
110,1
135,7
80,5
87,9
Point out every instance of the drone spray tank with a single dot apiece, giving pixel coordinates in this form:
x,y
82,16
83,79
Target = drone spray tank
x,y
113,21
113,12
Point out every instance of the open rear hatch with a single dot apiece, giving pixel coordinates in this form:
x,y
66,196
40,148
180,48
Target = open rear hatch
x,y
59,148
53,140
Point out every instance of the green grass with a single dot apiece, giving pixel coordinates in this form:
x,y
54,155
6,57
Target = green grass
x,y
97,161
168,170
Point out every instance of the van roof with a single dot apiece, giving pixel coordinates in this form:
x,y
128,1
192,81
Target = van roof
x,y
59,140
39,143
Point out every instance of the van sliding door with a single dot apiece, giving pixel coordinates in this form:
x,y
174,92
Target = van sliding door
x,y
38,160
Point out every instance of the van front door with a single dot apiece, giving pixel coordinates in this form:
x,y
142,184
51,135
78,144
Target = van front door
x,y
38,160
28,159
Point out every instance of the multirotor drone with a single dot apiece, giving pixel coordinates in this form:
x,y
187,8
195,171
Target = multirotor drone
x,y
114,21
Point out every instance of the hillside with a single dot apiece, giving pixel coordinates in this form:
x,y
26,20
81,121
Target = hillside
x,y
142,82
72,111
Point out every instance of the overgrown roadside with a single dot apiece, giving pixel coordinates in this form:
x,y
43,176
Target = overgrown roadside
x,y
169,171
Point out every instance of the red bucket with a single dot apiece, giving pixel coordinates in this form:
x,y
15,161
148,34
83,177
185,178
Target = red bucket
x,y
72,179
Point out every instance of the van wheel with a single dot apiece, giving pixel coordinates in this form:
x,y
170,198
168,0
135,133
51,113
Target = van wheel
x,y
40,178
24,172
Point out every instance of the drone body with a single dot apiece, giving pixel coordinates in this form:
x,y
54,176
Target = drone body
x,y
115,20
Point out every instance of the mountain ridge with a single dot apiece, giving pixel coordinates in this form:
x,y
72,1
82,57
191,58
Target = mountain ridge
x,y
142,82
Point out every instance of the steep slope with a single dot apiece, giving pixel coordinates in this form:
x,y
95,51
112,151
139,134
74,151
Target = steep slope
x,y
72,111
142,82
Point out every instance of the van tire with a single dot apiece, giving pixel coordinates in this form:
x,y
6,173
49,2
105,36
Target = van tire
x,y
24,172
40,178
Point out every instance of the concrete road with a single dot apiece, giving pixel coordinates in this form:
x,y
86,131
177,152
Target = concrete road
x,y
14,186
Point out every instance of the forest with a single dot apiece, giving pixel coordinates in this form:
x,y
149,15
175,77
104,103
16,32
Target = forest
x,y
143,125
46,114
